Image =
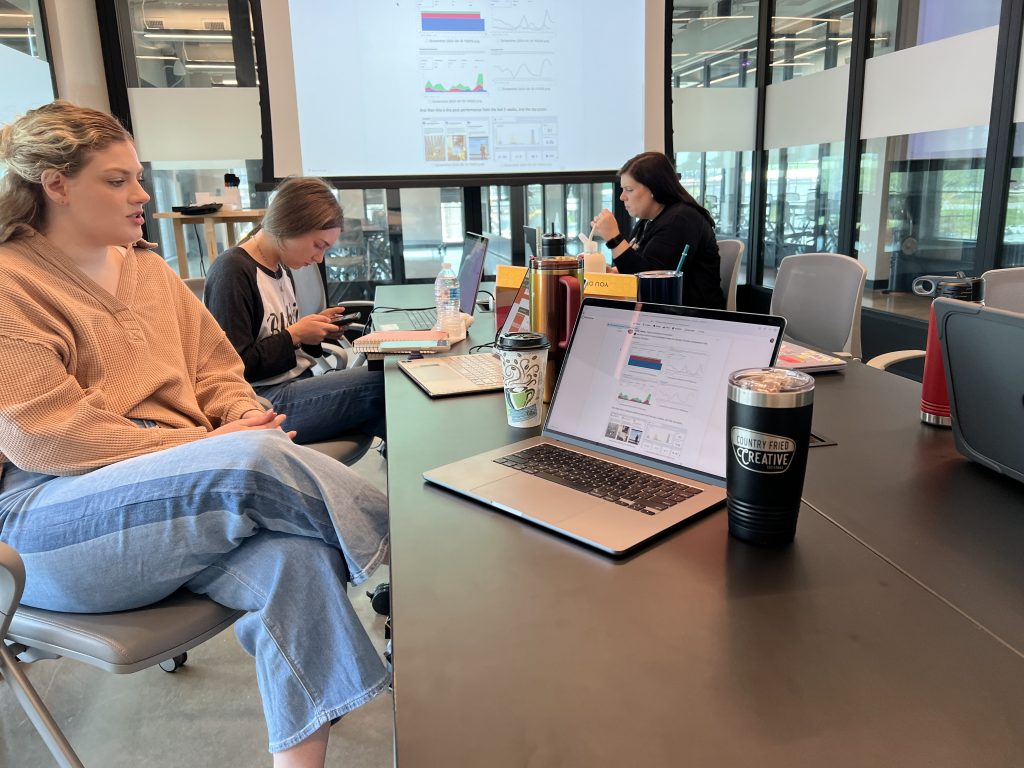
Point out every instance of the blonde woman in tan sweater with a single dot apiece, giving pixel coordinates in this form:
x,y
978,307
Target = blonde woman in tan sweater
x,y
134,459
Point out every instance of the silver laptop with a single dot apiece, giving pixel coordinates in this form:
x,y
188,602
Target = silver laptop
x,y
455,374
634,442
471,270
470,374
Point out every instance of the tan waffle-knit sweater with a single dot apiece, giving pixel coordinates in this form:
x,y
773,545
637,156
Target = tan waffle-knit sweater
x,y
76,364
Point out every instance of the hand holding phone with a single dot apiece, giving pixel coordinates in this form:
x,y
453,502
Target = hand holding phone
x,y
340,320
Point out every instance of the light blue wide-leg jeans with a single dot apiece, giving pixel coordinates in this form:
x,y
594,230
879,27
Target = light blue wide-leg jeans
x,y
250,519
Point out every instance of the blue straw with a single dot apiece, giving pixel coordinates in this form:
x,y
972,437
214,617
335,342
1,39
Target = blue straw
x,y
686,250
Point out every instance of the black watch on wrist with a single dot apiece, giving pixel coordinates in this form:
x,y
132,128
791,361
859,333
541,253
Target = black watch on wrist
x,y
611,244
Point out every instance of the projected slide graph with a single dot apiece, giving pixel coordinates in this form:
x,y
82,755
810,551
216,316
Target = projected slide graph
x,y
451,22
523,24
537,71
457,88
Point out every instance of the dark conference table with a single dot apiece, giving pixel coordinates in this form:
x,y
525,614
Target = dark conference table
x,y
890,633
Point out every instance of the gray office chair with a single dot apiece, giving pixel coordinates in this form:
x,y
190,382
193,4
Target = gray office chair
x,y
120,642
196,285
820,296
312,297
731,253
1004,289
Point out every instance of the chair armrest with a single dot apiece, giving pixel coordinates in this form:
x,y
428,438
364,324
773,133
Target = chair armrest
x,y
882,362
336,350
12,584
353,331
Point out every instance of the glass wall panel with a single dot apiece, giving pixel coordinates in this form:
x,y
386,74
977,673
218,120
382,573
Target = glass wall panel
x,y
920,200
1013,234
715,47
25,79
535,205
712,47
178,183
803,197
810,48
809,37
187,45
432,228
927,101
902,24
1013,238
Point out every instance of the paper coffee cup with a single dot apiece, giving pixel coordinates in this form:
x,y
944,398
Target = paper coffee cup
x,y
523,360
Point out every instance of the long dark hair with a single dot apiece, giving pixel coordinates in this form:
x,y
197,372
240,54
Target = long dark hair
x,y
655,171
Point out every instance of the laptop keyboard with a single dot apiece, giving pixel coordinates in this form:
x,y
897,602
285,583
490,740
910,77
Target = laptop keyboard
x,y
482,370
626,487
422,319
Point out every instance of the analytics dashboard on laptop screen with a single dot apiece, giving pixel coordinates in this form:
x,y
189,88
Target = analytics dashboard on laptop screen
x,y
655,384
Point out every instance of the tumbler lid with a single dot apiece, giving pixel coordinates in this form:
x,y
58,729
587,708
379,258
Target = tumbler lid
x,y
524,340
771,387
650,273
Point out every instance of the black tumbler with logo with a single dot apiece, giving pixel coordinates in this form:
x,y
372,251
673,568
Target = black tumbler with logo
x,y
769,428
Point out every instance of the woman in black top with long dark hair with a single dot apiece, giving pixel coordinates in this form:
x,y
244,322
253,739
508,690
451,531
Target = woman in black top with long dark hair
x,y
668,220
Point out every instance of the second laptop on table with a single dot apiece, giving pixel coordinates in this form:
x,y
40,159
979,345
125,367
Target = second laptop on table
x,y
471,270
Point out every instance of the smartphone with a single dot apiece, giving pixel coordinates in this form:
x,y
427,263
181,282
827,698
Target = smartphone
x,y
345,319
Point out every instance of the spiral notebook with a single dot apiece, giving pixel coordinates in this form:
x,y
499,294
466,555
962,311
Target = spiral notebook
x,y
798,358
398,342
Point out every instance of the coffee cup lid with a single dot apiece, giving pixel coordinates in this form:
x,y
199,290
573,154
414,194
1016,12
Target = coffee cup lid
x,y
513,342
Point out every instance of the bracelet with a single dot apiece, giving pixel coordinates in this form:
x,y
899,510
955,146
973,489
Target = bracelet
x,y
613,243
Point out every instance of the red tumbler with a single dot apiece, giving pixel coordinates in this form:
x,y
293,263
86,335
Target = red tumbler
x,y
934,397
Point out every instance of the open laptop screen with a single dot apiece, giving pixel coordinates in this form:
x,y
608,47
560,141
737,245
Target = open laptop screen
x,y
474,251
652,380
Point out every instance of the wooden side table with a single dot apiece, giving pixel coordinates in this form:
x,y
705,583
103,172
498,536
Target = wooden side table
x,y
225,217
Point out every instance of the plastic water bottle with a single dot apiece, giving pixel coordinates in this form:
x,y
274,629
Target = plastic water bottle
x,y
446,300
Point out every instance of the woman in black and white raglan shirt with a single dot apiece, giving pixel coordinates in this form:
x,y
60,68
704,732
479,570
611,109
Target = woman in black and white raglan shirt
x,y
250,292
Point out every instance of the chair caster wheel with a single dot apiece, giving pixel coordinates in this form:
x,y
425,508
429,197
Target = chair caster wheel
x,y
380,599
174,664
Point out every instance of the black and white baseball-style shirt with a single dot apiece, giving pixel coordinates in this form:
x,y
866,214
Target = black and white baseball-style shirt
x,y
255,306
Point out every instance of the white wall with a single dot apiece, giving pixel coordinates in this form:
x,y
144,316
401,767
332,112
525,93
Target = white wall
x,y
75,50
654,77
183,124
931,87
807,110
713,119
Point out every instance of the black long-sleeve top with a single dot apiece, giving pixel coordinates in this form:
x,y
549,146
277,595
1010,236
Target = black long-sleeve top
x,y
658,244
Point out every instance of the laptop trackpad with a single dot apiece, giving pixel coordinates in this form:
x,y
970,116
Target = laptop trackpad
x,y
431,372
538,499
